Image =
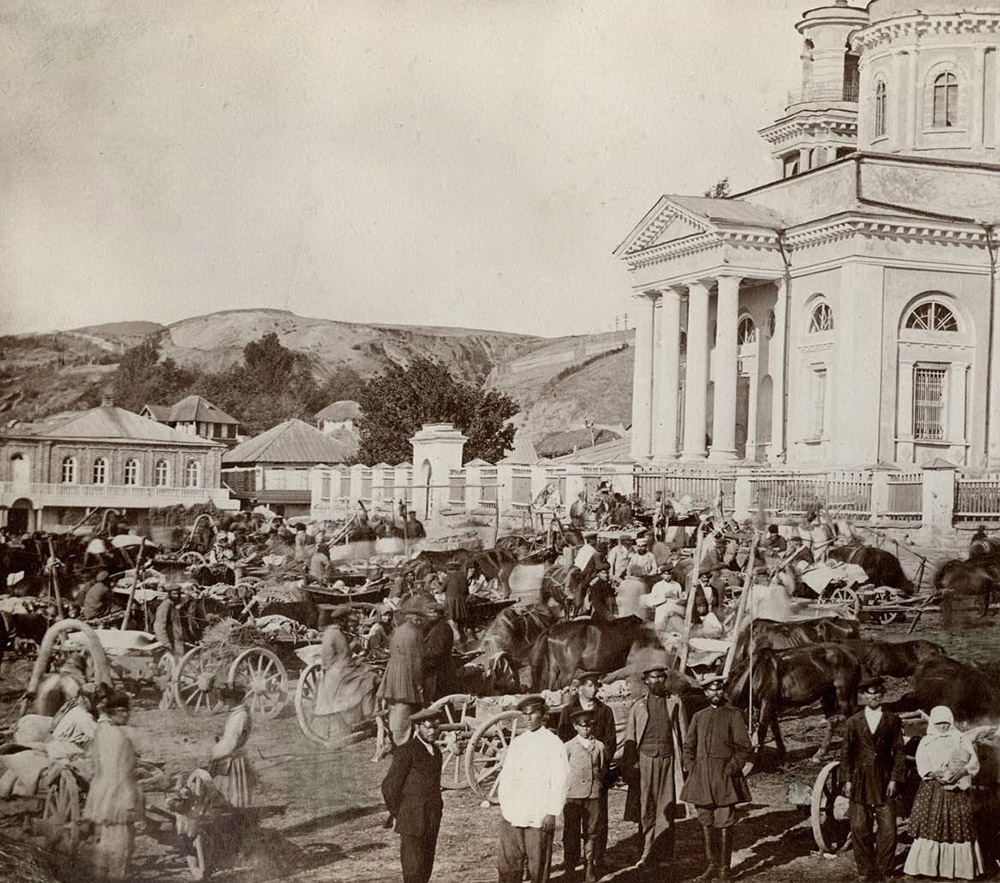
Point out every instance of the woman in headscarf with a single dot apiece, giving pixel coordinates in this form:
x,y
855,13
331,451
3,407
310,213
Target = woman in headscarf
x,y
941,821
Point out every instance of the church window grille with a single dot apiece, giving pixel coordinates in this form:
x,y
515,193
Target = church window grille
x,y
932,316
928,403
945,101
746,331
821,319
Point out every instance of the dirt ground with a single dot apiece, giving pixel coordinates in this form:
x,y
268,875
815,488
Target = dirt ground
x,y
331,827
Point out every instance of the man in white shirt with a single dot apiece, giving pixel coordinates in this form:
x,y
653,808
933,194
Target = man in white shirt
x,y
618,558
665,600
643,562
532,790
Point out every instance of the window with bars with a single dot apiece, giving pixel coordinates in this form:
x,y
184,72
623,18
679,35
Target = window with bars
x,y
746,331
100,472
817,402
928,402
880,110
945,101
931,316
821,319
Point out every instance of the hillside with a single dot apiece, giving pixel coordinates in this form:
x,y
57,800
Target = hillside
x,y
559,382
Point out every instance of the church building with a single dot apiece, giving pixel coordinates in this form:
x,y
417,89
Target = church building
x,y
846,313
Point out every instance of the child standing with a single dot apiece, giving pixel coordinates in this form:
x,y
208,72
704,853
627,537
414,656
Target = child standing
x,y
588,764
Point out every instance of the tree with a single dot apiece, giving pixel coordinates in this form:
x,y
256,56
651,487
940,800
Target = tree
x,y
141,378
397,402
719,190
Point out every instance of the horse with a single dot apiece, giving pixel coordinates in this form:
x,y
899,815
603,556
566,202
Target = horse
x,y
882,568
592,645
769,634
898,659
974,579
508,639
970,693
796,677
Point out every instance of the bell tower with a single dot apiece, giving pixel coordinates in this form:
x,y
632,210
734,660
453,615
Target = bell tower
x,y
820,123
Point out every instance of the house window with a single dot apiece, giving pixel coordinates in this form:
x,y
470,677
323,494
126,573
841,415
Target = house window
x,y
746,331
931,316
192,474
880,109
100,471
131,472
817,402
821,319
945,101
69,470
928,402
161,474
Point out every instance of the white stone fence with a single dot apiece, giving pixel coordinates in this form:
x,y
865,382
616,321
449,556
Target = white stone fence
x,y
936,500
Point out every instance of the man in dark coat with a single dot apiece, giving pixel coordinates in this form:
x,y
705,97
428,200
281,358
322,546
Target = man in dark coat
x,y
438,642
872,766
412,792
716,747
456,594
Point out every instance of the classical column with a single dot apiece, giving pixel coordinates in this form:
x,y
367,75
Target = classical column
x,y
696,383
642,376
776,367
750,453
667,376
724,417
956,397
993,451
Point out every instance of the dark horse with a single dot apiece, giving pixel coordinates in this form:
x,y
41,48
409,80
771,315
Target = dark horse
x,y
882,568
799,676
970,693
591,645
974,580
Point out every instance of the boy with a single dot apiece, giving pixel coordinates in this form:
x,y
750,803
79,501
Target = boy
x,y
588,764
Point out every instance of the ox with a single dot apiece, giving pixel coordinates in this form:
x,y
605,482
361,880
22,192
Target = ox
x,y
893,659
795,677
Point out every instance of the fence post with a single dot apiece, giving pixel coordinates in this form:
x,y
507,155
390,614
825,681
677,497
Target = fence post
x,y
473,486
880,495
743,496
938,507
505,488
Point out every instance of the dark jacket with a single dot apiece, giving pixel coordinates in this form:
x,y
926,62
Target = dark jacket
x,y
604,725
869,761
456,594
716,747
412,788
438,643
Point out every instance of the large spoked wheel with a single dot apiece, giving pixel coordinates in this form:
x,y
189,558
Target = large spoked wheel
x,y
323,729
846,596
884,617
457,709
832,834
262,677
486,752
191,557
62,807
196,682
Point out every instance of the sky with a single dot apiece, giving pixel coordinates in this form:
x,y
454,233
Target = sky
x,y
443,162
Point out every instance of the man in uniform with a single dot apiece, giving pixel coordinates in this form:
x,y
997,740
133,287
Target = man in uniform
x,y
653,747
532,790
412,792
872,765
716,747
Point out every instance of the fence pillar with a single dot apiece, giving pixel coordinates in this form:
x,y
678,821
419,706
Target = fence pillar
x,y
473,486
505,488
880,495
357,472
938,507
743,495
437,449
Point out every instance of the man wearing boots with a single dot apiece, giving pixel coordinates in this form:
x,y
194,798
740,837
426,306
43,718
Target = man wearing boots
x,y
872,764
653,746
588,767
716,747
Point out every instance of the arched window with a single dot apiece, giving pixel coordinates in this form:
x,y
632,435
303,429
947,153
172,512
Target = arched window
x,y
880,109
69,470
192,474
161,474
131,472
821,318
945,101
746,331
931,316
100,471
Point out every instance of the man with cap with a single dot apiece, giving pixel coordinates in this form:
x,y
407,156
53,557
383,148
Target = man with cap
x,y
600,592
588,766
532,790
652,747
643,562
604,731
402,684
167,623
716,746
872,766
456,593
438,643
412,793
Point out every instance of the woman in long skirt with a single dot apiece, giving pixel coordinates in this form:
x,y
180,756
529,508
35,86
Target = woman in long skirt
x,y
941,821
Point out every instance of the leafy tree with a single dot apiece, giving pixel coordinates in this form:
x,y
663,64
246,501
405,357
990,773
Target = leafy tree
x,y
719,190
397,402
141,378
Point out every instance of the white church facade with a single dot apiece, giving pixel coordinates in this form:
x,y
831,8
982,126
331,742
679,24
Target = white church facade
x,y
848,312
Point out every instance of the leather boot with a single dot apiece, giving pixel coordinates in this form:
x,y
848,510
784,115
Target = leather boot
x,y
711,856
726,855
589,875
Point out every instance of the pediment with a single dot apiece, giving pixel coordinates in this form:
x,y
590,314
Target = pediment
x,y
676,228
666,222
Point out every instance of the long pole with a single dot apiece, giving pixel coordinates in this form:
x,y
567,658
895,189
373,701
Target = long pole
x,y
689,612
742,606
54,576
135,582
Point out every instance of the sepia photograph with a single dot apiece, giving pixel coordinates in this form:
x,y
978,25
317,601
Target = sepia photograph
x,y
491,440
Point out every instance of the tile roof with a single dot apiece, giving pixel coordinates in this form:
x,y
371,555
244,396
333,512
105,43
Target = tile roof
x,y
556,443
197,409
293,441
523,454
158,412
109,422
617,451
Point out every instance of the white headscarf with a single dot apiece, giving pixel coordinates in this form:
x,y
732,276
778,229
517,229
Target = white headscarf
x,y
936,749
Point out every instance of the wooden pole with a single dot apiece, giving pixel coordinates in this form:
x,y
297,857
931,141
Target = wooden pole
x,y
742,606
135,582
689,612
55,579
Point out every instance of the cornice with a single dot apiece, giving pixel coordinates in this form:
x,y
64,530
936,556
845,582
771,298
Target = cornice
x,y
917,26
786,130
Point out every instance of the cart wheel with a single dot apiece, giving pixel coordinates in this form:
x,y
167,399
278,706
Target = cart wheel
x,y
844,595
191,558
324,729
457,709
197,861
832,835
163,679
486,752
195,682
62,806
260,674
887,616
